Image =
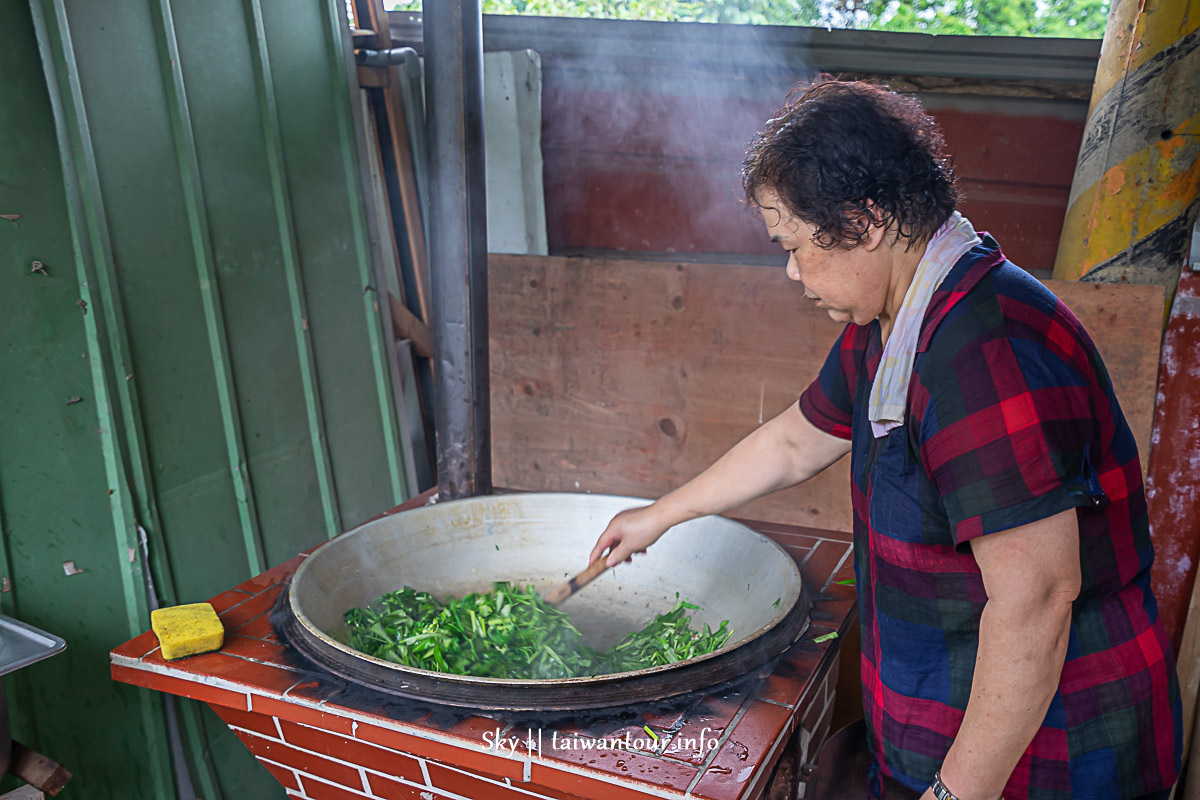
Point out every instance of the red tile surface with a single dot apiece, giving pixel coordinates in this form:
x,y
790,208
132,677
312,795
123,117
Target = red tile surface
x,y
259,650
226,600
708,721
275,575
389,762
737,770
786,683
249,609
138,646
260,627
820,565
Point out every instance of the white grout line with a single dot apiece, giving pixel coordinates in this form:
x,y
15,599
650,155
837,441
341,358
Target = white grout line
x,y
712,754
304,776
278,728
842,560
362,776
285,667
774,702
424,772
810,554
236,729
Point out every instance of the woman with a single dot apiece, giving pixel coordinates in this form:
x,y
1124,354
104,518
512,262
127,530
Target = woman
x,y
1011,643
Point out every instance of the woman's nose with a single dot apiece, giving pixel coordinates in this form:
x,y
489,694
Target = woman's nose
x,y
793,268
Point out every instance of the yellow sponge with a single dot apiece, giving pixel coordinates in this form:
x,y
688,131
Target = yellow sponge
x,y
187,630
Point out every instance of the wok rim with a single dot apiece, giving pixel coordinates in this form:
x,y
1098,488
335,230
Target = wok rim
x,y
429,685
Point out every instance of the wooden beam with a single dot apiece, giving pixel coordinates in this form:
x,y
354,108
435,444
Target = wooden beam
x,y
371,14
405,325
37,770
373,77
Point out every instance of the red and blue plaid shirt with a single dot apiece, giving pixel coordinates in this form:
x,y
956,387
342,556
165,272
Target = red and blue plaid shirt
x,y
1011,418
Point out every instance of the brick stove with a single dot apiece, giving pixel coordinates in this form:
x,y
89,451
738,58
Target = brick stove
x,y
326,740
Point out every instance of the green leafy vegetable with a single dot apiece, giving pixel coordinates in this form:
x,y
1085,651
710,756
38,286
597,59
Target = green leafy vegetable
x,y
511,632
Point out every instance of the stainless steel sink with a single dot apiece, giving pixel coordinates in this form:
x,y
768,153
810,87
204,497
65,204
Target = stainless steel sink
x,y
20,646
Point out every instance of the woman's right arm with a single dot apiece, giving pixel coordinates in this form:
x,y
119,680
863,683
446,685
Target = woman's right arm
x,y
783,452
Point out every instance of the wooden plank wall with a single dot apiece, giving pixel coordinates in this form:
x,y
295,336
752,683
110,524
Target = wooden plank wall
x,y
629,377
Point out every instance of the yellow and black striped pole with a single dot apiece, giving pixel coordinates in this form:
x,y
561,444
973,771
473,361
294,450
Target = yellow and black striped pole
x,y
1136,190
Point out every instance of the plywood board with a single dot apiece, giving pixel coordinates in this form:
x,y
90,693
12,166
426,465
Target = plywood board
x,y
629,377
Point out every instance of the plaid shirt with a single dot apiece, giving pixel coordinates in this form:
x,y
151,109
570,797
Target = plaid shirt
x,y
1011,418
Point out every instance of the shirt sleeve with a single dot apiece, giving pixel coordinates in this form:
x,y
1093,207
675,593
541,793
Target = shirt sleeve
x,y
1006,436
828,402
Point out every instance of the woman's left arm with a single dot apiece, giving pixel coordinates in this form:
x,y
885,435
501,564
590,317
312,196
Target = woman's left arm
x,y
1031,575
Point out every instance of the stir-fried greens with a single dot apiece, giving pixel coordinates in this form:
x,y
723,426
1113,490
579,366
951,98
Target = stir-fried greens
x,y
511,632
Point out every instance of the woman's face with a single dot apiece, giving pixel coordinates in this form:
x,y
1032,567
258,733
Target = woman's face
x,y
852,285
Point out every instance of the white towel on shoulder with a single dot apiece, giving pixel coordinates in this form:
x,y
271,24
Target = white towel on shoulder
x,y
889,392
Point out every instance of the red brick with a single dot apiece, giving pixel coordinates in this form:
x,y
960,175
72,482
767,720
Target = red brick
x,y
468,784
178,686
319,790
259,723
389,762
285,776
305,763
580,783
301,713
474,758
389,789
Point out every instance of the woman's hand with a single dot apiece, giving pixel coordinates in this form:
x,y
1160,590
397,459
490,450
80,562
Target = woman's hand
x,y
629,532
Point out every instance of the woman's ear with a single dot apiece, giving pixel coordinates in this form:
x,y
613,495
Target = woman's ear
x,y
872,223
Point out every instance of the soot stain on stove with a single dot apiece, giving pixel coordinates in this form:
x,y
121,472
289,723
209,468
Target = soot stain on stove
x,y
592,722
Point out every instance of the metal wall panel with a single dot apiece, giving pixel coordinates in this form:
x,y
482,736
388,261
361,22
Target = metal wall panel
x,y
190,176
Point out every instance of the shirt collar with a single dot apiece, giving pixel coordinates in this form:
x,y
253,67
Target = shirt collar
x,y
965,275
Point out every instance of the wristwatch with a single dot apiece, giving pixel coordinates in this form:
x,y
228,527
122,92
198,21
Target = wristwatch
x,y
939,789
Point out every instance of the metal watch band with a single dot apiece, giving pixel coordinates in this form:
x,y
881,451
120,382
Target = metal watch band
x,y
939,789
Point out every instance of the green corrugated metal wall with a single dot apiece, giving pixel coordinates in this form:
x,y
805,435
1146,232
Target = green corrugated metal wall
x,y
202,354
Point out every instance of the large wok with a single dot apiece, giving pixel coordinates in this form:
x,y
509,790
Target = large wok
x,y
454,548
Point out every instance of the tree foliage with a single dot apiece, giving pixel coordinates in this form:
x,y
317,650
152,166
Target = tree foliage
x,y
1061,18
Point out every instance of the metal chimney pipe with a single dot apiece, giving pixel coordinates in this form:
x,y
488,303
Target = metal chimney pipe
x,y
453,33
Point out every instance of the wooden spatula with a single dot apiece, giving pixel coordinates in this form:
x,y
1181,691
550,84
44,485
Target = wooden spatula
x,y
594,570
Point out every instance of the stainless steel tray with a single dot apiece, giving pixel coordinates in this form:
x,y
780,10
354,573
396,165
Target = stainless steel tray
x,y
22,645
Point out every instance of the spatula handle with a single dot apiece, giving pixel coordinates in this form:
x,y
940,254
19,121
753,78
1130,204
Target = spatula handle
x,y
572,586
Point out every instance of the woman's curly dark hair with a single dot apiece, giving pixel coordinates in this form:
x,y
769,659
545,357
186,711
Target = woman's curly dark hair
x,y
839,147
